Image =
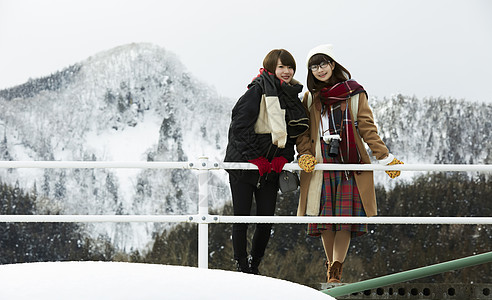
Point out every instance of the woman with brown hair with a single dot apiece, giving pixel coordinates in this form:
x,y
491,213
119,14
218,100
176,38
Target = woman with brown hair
x,y
341,123
265,123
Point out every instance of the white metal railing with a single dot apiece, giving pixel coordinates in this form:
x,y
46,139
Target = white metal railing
x,y
203,166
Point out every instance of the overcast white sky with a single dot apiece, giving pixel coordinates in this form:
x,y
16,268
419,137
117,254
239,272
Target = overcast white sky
x,y
418,47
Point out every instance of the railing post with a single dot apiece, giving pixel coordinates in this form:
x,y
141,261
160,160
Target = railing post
x,y
203,174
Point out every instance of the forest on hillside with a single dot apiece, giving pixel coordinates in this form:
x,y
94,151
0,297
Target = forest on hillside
x,y
291,254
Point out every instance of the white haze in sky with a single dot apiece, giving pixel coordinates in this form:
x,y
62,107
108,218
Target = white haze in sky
x,y
422,48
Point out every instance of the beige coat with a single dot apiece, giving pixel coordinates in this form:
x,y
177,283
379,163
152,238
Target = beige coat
x,y
306,144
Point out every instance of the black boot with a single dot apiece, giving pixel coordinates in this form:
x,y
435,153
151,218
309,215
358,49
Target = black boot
x,y
242,265
254,263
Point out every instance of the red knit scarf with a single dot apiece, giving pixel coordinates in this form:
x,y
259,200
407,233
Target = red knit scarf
x,y
340,91
331,97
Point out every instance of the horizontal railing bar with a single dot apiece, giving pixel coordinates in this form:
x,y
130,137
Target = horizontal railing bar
x,y
354,220
94,164
95,218
243,219
373,167
237,166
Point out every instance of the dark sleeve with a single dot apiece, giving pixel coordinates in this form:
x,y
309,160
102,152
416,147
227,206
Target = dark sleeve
x,y
244,116
287,152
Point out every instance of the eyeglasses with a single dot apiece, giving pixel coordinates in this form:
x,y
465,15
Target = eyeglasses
x,y
322,65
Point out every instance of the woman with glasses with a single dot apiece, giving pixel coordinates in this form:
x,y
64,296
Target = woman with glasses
x,y
341,121
265,123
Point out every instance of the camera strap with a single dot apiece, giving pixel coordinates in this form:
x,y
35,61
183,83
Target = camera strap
x,y
333,117
342,110
339,114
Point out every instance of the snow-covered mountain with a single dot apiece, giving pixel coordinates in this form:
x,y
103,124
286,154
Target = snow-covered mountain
x,y
132,103
436,130
433,131
137,103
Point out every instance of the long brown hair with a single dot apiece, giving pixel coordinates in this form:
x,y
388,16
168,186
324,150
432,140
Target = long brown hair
x,y
271,59
339,73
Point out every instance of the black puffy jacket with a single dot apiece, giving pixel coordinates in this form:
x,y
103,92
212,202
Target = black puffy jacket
x,y
244,144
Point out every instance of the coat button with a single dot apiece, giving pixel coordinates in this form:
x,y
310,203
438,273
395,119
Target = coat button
x,y
312,141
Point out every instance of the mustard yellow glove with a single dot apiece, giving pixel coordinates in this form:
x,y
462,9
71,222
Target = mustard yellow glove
x,y
394,174
307,162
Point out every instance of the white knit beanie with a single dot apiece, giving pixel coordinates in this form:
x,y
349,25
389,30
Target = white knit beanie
x,y
323,49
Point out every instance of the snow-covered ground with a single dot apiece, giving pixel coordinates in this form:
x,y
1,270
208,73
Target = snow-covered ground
x,y
115,280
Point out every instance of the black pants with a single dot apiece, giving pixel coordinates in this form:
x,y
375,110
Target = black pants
x,y
242,199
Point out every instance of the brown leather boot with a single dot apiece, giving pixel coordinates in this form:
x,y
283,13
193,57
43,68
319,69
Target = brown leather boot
x,y
327,266
335,272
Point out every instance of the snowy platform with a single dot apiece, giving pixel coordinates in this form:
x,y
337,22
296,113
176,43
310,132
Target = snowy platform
x,y
113,280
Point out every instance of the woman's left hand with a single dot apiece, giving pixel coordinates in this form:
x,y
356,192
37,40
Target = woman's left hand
x,y
394,174
278,163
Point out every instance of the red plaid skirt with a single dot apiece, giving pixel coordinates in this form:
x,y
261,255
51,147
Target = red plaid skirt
x,y
339,197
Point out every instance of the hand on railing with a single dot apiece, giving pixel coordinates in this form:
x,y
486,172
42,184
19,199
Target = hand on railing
x,y
263,165
278,163
394,174
307,162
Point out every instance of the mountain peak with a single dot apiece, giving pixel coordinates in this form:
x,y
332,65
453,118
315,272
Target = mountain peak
x,y
132,49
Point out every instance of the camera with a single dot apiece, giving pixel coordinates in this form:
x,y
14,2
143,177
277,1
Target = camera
x,y
333,140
